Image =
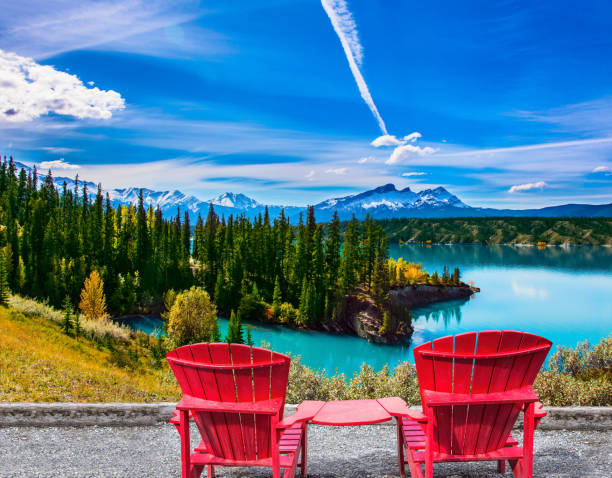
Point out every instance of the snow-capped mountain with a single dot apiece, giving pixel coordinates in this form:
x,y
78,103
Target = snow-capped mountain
x,y
380,203
387,201
239,201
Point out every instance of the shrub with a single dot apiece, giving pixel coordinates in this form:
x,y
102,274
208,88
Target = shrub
x,y
192,318
287,314
252,309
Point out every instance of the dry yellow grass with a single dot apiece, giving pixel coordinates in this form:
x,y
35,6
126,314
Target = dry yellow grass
x,y
39,363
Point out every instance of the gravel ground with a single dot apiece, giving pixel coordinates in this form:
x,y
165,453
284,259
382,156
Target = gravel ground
x,y
367,451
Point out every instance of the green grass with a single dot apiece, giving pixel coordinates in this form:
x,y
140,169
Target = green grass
x,y
40,363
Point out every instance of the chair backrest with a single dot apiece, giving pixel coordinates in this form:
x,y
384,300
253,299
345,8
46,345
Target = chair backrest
x,y
236,373
470,363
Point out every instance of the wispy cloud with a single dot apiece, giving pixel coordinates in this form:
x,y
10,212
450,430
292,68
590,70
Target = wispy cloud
x,y
337,171
603,169
408,175
59,150
58,164
37,29
528,187
590,117
29,90
344,25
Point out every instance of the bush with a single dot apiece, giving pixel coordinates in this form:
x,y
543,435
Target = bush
x,y
192,319
287,314
252,309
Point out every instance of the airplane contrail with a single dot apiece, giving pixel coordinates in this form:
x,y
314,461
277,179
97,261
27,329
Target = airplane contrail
x,y
346,29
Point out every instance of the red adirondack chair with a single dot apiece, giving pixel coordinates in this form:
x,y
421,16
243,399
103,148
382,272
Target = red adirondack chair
x,y
473,388
236,397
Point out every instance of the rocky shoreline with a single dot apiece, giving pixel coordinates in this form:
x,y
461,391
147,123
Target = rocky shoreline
x,y
358,314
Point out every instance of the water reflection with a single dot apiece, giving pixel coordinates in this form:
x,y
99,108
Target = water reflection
x,y
449,313
577,258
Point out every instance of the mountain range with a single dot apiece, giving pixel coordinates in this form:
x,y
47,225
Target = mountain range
x,y
383,202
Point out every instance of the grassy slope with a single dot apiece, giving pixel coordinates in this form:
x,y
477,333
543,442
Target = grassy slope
x,y
40,363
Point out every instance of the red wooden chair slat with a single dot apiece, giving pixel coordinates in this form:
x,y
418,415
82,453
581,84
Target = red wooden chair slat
x,y
462,382
443,416
236,396
490,437
473,386
213,423
220,354
244,391
261,382
487,341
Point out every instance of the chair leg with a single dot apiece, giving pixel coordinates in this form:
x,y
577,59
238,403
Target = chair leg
x,y
501,466
210,471
304,463
185,445
196,471
400,446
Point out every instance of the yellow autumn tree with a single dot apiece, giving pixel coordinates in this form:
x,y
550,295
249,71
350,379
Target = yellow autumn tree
x,y
93,301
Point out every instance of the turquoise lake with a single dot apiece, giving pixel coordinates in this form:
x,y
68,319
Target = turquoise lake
x,y
563,294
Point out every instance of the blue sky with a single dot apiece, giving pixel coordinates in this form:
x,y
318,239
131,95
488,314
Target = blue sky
x,y
289,101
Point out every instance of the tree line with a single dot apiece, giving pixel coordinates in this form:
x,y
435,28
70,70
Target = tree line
x,y
51,240
263,269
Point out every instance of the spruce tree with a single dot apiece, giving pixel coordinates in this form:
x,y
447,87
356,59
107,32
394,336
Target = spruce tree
x,y
249,338
276,297
234,330
4,286
67,322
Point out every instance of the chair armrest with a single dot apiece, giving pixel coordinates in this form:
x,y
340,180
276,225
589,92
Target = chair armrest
x,y
305,412
539,411
442,399
396,407
264,407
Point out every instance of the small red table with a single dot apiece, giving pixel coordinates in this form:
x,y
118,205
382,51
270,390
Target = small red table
x,y
365,412
351,412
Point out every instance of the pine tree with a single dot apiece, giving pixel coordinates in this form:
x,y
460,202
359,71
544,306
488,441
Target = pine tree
x,y
4,286
446,278
456,276
249,338
276,297
380,281
67,322
77,325
234,330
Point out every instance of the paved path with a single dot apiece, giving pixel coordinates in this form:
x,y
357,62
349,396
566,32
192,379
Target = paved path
x,y
353,452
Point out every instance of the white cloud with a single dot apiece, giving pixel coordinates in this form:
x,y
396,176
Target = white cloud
x,y
386,140
602,169
407,151
527,187
29,90
344,25
58,164
412,137
365,159
407,175
337,171
310,175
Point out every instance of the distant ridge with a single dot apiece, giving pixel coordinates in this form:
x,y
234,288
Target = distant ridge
x,y
383,202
